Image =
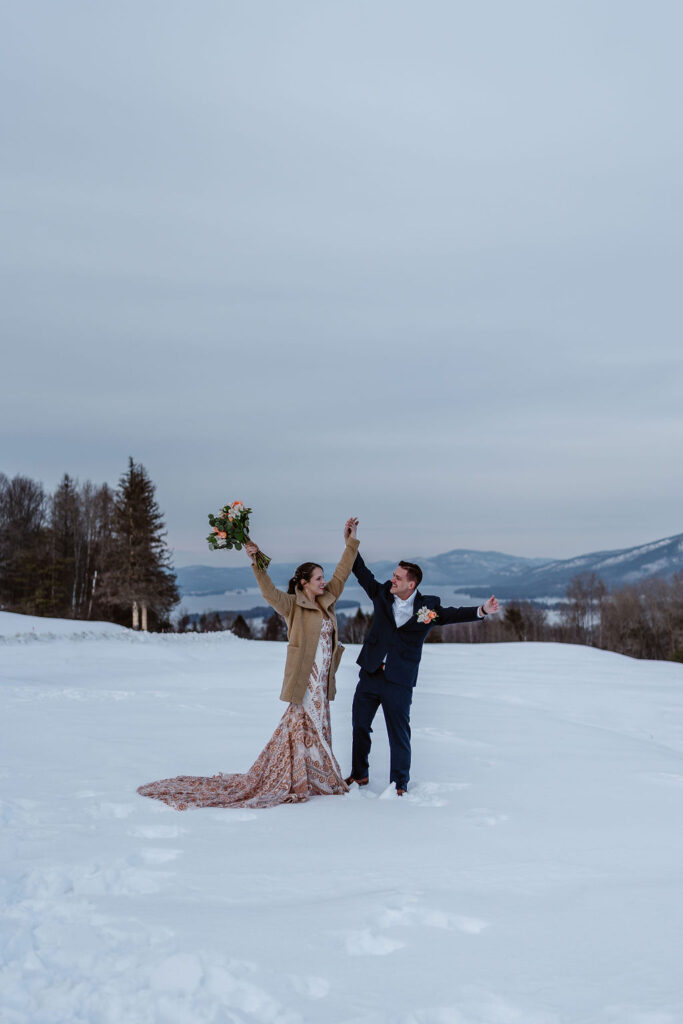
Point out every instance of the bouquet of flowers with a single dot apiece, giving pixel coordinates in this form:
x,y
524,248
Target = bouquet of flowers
x,y
231,530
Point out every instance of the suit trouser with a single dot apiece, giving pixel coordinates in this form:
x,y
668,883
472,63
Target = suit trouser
x,y
375,690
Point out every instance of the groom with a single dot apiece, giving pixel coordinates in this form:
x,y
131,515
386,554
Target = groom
x,y
390,658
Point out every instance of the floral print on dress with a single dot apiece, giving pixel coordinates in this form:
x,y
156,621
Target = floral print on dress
x,y
296,763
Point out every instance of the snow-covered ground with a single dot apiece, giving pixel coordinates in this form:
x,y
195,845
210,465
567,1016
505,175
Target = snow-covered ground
x,y
26,627
532,875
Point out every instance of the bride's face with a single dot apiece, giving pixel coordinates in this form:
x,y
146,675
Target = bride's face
x,y
316,584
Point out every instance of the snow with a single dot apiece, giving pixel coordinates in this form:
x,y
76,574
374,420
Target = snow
x,y
532,875
12,624
632,553
660,566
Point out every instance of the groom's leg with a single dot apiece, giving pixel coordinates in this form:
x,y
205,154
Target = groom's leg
x,y
366,700
396,707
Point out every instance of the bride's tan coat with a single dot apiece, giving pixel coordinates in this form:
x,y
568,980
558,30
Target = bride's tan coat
x,y
304,621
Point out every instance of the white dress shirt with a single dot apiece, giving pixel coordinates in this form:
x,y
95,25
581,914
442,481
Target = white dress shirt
x,y
403,610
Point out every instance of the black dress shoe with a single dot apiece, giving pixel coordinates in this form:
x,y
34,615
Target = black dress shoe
x,y
359,782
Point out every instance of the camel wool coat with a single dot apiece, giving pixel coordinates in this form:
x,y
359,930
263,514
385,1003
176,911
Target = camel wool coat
x,y
304,621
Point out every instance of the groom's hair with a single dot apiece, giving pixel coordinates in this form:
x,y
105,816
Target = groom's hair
x,y
413,572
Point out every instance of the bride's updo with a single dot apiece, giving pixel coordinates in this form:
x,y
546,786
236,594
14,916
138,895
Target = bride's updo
x,y
302,575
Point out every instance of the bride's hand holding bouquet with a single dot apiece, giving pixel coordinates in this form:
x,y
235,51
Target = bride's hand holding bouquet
x,y
251,549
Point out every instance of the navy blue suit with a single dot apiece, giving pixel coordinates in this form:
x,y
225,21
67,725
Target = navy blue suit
x,y
389,661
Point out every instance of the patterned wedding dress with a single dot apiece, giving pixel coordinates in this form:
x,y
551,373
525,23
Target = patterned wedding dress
x,y
297,762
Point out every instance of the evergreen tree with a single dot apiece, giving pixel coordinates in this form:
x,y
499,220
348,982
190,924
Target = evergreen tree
x,y
138,578
241,628
274,628
210,622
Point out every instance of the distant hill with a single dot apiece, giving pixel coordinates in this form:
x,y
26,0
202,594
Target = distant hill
x,y
615,568
457,568
476,572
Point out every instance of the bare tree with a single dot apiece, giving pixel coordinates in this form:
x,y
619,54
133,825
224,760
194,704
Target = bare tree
x,y
355,628
23,561
582,612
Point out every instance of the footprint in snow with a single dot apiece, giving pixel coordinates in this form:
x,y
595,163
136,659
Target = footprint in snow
x,y
433,794
364,793
156,831
482,817
444,736
367,943
112,810
158,855
670,778
234,816
408,913
424,794
311,987
484,1009
179,973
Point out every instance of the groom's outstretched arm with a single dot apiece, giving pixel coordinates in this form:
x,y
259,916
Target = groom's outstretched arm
x,y
449,615
365,578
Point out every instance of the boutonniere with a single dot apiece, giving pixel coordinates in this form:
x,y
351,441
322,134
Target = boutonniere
x,y
426,615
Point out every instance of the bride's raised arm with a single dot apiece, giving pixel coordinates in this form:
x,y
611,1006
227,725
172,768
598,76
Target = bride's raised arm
x,y
345,565
277,599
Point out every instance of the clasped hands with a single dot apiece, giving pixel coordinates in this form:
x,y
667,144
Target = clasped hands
x,y
350,528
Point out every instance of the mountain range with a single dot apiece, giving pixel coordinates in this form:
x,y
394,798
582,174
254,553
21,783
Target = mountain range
x,y
477,573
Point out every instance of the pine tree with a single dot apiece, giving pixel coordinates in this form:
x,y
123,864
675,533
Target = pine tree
x,y
241,628
274,628
138,578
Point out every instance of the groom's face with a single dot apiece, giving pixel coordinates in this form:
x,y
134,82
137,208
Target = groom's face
x,y
400,584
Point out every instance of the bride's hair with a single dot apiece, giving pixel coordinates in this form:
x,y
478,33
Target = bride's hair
x,y
301,576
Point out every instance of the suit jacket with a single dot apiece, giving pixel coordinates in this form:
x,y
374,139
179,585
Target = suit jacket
x,y
400,648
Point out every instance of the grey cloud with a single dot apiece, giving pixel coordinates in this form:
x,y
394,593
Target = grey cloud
x,y
321,253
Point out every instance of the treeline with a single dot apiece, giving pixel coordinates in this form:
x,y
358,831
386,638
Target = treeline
x,y
641,620
256,624
265,624
87,551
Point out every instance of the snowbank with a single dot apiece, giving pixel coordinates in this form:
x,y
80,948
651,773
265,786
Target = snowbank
x,y
12,624
532,875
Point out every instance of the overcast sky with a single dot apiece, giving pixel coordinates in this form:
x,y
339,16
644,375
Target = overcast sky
x,y
417,262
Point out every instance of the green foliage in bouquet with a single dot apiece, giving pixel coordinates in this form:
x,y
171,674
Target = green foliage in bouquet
x,y
231,530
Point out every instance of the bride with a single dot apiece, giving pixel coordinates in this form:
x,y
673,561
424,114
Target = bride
x,y
297,762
